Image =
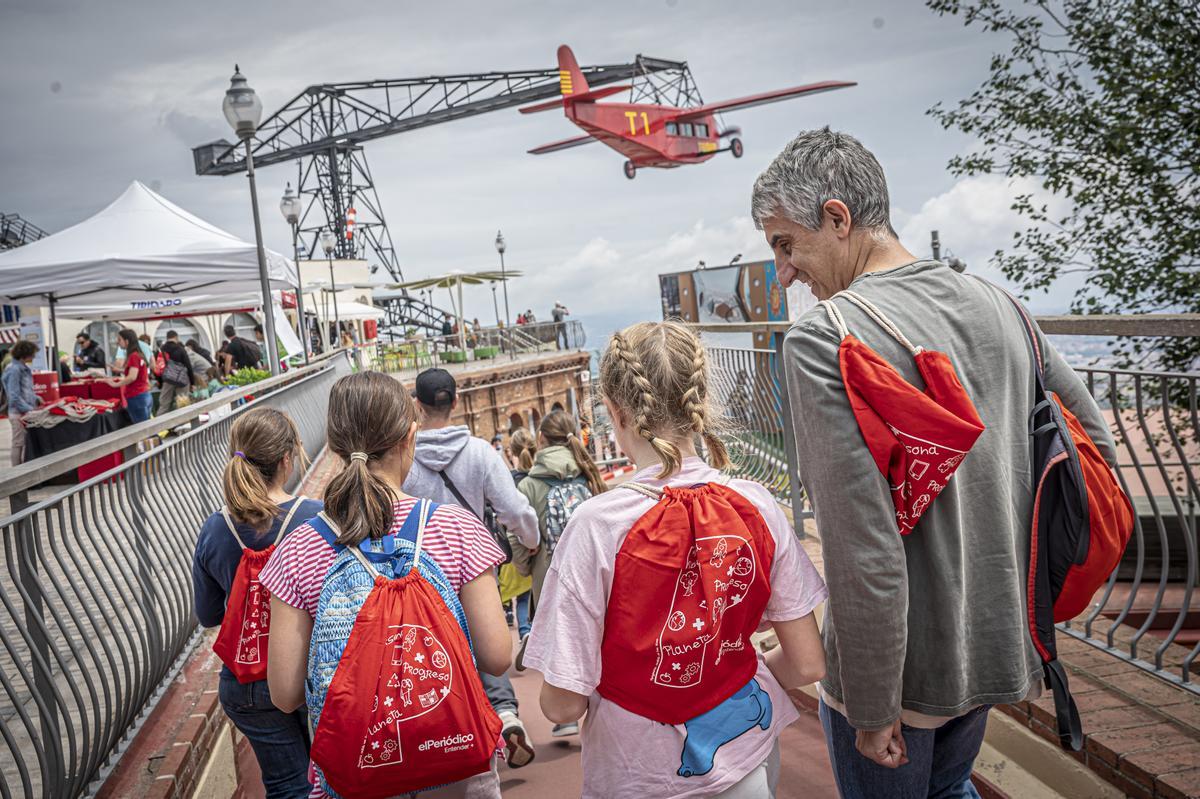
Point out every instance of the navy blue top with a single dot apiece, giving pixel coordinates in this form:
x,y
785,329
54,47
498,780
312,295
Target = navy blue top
x,y
218,555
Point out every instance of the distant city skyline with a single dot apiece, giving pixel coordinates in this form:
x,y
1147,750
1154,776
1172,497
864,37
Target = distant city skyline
x,y
110,93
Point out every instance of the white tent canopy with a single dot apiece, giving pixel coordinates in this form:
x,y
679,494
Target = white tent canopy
x,y
358,310
141,248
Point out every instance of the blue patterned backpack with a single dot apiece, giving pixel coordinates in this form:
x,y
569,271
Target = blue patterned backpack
x,y
410,621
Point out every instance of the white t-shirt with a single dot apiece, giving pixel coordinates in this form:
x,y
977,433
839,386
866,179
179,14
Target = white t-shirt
x,y
625,754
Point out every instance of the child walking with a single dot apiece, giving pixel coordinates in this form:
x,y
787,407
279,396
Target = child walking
x,y
648,605
516,581
562,477
233,545
372,426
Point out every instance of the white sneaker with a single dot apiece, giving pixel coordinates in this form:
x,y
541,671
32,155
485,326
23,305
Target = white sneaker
x,y
563,730
518,750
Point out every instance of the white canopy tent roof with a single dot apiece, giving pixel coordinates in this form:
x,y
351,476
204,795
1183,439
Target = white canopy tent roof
x,y
142,248
359,310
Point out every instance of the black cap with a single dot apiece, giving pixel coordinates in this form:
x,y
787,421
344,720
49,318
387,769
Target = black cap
x,y
83,334
435,388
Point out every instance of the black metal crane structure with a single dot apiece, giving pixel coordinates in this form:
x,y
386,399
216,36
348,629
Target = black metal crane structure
x,y
15,231
324,128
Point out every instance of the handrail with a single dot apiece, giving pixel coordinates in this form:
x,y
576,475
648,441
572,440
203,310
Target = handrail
x,y
32,473
1169,325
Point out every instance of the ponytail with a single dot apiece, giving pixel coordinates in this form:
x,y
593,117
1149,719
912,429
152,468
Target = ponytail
x,y
260,441
523,446
359,502
558,428
369,415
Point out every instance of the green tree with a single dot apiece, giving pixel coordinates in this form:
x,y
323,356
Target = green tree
x,y
1100,102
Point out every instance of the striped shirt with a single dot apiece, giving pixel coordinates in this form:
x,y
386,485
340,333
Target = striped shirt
x,y
454,538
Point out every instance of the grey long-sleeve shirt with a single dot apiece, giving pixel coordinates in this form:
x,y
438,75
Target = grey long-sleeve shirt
x,y
935,621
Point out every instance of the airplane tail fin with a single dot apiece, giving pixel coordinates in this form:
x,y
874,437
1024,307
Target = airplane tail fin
x,y
570,79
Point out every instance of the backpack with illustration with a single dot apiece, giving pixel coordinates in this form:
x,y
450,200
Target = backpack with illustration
x,y
1081,525
393,695
690,584
562,498
242,641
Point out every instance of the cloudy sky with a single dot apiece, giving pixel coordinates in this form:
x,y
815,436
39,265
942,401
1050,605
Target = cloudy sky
x,y
99,94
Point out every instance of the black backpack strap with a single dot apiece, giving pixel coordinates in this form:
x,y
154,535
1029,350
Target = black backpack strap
x,y
1066,714
453,489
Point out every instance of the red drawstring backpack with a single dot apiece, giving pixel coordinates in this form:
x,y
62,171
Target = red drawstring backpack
x,y
690,584
917,438
404,709
242,642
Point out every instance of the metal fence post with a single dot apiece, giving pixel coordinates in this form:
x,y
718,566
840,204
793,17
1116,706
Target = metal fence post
x,y
795,489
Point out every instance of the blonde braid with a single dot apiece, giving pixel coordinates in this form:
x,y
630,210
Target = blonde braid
x,y
696,405
645,408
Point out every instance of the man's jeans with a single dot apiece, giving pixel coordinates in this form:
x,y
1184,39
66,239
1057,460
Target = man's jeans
x,y
939,767
499,692
280,740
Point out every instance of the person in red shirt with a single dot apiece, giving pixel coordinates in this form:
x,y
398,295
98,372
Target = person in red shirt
x,y
135,381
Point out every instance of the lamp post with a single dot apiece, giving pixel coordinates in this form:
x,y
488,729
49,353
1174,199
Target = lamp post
x,y
243,110
327,241
500,248
289,206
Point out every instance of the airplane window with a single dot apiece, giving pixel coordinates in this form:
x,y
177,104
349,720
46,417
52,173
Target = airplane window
x,y
685,129
702,130
672,130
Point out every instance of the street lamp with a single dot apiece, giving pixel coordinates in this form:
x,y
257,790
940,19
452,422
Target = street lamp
x,y
243,109
289,206
327,241
500,248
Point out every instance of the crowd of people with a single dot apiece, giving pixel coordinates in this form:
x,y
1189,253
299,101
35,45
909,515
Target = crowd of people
x,y
365,637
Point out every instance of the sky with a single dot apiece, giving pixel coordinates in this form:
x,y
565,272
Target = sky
x,y
99,94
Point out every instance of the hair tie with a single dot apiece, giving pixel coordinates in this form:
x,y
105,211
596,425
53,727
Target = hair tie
x,y
359,456
239,454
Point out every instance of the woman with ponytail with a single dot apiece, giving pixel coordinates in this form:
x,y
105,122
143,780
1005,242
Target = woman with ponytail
x,y
563,474
372,425
264,451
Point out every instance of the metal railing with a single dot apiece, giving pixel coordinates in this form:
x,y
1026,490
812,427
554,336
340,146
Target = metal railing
x,y
1147,614
96,585
758,434
1150,598
418,352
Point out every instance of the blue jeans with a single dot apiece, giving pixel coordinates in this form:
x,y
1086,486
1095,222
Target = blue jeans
x,y
280,740
139,407
939,761
523,625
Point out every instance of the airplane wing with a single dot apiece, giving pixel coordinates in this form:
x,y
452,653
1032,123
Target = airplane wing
x,y
586,97
764,98
565,144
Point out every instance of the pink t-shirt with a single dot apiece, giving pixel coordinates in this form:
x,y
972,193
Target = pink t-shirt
x,y
455,539
623,753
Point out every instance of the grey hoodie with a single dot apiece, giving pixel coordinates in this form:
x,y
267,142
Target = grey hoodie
x,y
479,474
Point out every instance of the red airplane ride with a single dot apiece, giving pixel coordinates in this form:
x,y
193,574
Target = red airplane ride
x,y
652,135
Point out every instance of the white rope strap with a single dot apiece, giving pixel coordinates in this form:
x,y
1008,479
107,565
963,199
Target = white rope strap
x,y
649,491
872,311
232,526
835,316
288,518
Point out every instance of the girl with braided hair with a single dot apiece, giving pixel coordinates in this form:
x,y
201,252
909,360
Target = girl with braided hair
x,y
647,608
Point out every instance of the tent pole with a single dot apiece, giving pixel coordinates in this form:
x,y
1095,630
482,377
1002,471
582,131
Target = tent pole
x,y
462,322
52,364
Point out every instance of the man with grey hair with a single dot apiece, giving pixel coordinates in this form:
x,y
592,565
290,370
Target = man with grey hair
x,y
926,629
